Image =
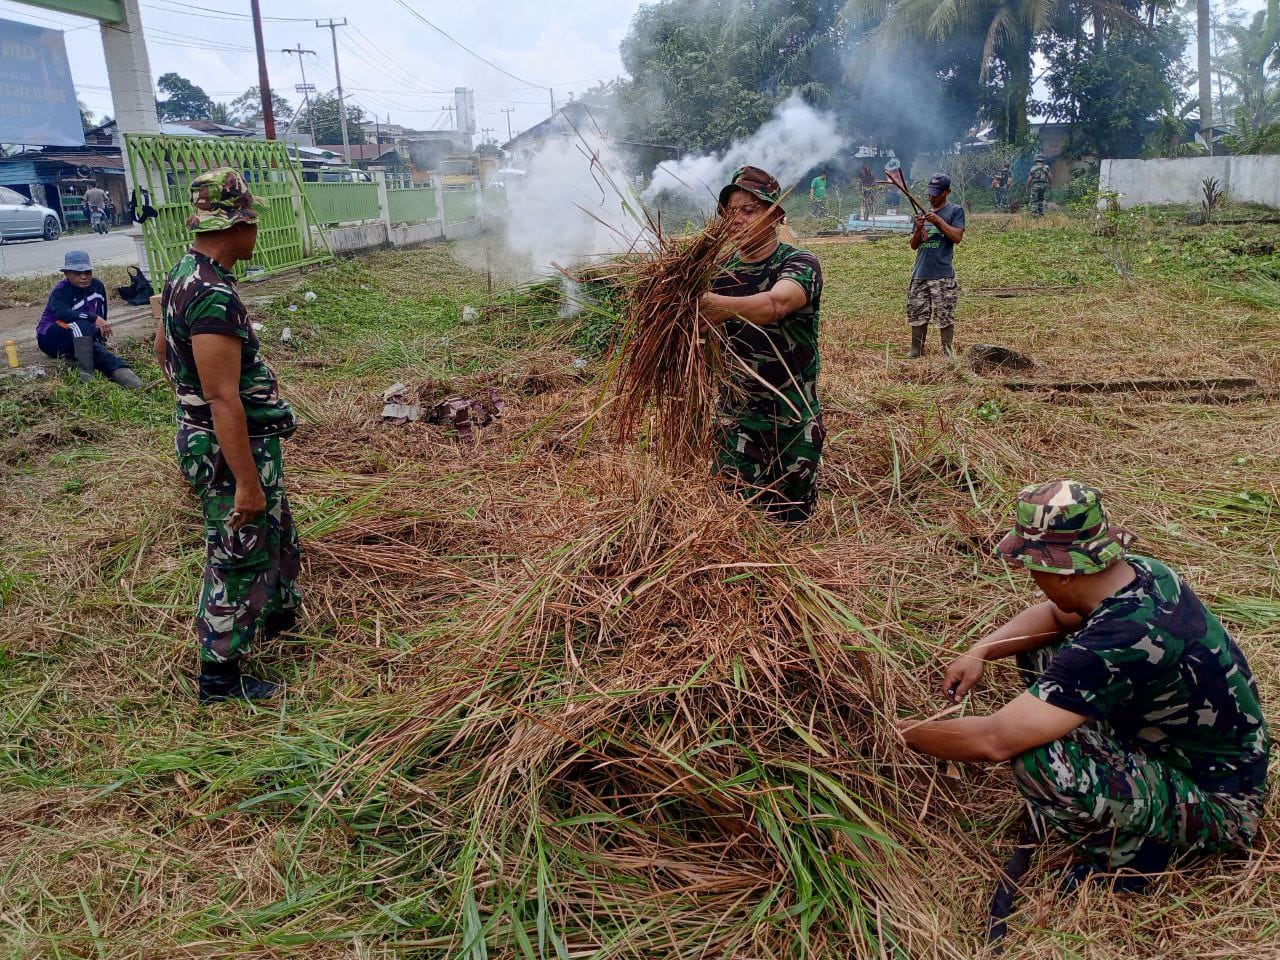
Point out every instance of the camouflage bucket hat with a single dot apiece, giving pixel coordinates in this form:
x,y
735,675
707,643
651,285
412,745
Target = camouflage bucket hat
x,y
1062,527
754,181
222,199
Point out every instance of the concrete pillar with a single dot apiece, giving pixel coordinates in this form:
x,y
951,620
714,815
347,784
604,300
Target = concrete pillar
x,y
132,92
384,206
438,179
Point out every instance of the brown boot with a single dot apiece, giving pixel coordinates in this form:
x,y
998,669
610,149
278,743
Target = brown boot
x,y
917,341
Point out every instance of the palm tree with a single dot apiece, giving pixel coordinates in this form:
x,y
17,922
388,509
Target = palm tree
x,y
1254,48
1204,27
1011,28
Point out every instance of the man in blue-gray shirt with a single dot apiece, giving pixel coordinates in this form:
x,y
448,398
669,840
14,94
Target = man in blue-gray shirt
x,y
933,289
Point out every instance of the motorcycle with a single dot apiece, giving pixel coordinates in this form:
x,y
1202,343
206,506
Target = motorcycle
x,y
98,220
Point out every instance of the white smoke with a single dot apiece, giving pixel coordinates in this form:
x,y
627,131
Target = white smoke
x,y
571,206
576,203
791,143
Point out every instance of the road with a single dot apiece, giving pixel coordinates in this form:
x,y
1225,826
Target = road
x,y
26,257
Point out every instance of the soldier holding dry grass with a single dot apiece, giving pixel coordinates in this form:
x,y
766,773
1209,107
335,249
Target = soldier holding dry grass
x,y
1140,735
231,420
766,302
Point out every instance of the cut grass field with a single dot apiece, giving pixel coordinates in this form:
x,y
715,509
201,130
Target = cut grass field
x,y
550,701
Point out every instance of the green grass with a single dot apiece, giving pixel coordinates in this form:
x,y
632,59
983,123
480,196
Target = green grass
x,y
541,795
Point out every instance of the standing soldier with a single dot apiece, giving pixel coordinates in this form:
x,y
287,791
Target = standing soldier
x,y
1000,183
1038,181
230,423
931,295
766,301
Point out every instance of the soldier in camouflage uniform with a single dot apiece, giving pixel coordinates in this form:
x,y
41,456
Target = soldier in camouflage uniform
x,y
1140,734
1038,181
231,420
765,303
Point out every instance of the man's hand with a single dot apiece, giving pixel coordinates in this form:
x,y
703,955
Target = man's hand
x,y
104,328
962,673
250,505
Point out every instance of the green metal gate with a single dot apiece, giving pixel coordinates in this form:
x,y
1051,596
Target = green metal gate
x,y
165,167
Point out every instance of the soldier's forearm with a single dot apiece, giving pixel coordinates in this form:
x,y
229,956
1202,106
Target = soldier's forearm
x,y
1033,628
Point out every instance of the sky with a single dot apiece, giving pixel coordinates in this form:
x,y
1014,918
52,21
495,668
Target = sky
x,y
391,62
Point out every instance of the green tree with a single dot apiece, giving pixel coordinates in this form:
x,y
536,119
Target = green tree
x,y
221,113
704,73
183,99
1254,55
328,122
247,108
1011,30
1113,93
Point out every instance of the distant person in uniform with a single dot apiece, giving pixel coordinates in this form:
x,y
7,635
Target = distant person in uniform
x,y
74,324
1038,181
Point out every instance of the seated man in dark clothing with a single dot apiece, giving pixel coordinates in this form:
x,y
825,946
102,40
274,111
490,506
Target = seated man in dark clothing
x,y
1140,734
74,323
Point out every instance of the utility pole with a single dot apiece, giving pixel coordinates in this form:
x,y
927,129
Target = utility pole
x,y
483,131
306,89
264,84
509,111
337,75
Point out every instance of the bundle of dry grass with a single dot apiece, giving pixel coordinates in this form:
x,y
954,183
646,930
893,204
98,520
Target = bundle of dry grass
x,y
666,375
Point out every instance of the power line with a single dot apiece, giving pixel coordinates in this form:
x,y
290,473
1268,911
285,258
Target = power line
x,y
454,40
373,44
220,14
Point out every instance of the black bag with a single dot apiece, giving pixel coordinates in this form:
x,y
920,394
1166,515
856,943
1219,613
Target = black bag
x,y
139,291
147,211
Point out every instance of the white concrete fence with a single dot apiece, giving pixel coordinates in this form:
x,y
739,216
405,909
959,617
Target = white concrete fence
x,y
1251,179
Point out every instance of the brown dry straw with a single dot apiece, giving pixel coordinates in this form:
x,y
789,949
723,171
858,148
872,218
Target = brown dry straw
x,y
668,369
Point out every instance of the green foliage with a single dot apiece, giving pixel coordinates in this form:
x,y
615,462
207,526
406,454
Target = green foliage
x,y
328,122
246,109
707,72
1111,94
1246,137
184,100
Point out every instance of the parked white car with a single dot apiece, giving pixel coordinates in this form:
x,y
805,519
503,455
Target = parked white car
x,y
21,217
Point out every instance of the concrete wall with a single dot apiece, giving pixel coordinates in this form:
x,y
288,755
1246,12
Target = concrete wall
x,y
351,238
1161,182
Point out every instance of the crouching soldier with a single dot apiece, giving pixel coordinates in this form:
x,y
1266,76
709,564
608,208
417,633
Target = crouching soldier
x,y
231,420
1139,735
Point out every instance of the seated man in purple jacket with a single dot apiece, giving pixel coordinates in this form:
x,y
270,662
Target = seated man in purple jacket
x,y
74,323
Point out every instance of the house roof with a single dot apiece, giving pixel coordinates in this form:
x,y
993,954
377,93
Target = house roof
x,y
572,115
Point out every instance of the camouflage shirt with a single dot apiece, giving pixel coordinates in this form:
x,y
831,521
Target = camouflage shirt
x,y
1156,664
200,297
773,368
1040,175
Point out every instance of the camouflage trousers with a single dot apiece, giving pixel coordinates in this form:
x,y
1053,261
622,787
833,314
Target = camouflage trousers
x,y
1109,798
1002,198
249,573
932,300
1037,201
772,463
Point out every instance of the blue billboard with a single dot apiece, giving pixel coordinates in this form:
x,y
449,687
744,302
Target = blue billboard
x,y
37,97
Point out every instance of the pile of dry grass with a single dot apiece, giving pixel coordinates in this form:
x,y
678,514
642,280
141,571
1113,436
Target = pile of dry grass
x,y
667,375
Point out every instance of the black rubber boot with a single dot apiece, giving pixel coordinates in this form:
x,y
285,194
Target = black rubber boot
x,y
917,341
224,681
83,347
127,379
946,333
1153,857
